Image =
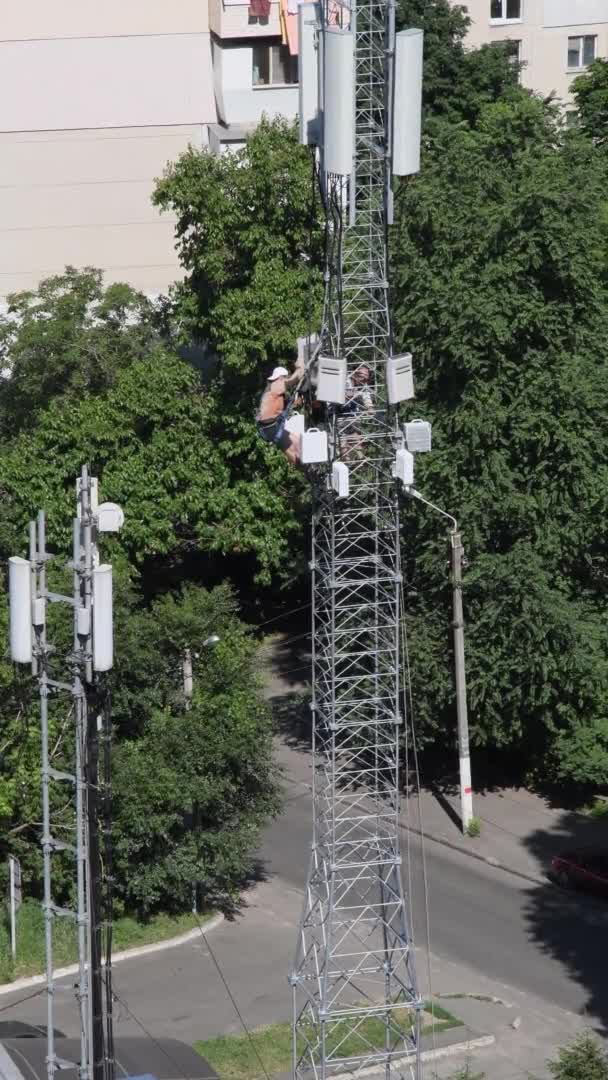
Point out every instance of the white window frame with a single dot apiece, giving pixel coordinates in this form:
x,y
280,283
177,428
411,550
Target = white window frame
x,y
502,20
581,51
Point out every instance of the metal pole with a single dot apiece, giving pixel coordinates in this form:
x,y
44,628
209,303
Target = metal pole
x,y
466,790
464,756
11,864
79,699
187,677
38,552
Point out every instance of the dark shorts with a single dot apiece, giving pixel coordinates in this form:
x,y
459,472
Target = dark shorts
x,y
275,433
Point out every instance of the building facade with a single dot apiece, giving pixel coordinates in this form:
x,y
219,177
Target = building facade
x,y
554,39
96,98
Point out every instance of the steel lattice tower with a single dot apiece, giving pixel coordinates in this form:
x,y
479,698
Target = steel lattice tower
x,y
355,958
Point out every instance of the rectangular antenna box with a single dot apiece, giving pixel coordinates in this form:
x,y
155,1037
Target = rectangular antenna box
x,y
331,385
399,378
314,447
295,424
418,436
404,467
340,479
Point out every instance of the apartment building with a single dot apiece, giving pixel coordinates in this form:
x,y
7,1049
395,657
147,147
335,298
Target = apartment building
x,y
96,98
555,39
254,48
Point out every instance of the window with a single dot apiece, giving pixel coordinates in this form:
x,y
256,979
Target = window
x,y
274,66
505,10
581,51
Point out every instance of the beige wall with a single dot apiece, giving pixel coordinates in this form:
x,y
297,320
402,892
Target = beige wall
x,y
37,19
95,98
543,31
105,82
83,198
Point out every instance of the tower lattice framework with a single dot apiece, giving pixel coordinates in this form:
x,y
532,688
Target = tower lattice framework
x,y
354,982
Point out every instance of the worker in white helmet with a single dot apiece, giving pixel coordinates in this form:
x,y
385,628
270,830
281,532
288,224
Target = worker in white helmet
x,y
274,409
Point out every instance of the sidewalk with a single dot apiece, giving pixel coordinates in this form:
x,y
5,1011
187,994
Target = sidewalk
x,y
519,831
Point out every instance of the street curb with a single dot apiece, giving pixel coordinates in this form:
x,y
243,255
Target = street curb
x,y
489,860
452,1050
125,954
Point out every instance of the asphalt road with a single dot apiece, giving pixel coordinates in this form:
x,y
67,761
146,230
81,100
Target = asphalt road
x,y
479,916
480,924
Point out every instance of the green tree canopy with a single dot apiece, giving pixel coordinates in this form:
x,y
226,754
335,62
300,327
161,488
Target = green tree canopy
x,y
457,81
192,481
505,313
591,96
583,1059
70,337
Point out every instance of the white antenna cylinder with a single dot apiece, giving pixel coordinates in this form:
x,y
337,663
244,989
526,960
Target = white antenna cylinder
x,y
103,637
20,592
308,67
338,101
407,102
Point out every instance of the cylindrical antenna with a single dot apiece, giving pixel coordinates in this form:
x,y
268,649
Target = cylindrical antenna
x,y
20,592
339,96
407,102
308,69
103,646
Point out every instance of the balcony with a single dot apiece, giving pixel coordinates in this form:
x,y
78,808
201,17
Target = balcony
x,y
228,19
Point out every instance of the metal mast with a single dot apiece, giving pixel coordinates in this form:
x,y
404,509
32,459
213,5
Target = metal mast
x,y
355,997
69,794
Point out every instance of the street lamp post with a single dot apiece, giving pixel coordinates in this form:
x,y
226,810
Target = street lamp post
x,y
464,755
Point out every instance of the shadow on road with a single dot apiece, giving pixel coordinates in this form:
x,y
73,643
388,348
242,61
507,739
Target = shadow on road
x,y
293,719
572,926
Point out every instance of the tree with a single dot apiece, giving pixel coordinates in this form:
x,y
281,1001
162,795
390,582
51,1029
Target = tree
x,y
457,81
71,337
506,316
583,1059
248,236
191,793
191,483
590,93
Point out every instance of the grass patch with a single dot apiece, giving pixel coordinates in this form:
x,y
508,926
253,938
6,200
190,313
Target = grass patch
x,y
126,933
234,1058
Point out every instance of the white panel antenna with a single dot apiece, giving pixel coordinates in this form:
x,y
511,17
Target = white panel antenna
x,y
331,380
407,102
308,61
418,436
399,378
404,467
339,101
340,479
314,447
103,643
20,593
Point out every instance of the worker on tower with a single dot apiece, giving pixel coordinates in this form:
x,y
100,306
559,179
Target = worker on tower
x,y
358,399
273,413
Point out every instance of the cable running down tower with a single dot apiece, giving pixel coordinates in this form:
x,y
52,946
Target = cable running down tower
x,y
354,960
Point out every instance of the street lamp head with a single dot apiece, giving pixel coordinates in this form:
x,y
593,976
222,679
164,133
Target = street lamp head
x,y
213,639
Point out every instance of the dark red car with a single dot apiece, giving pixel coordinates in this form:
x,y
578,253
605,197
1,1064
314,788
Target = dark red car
x,y
584,869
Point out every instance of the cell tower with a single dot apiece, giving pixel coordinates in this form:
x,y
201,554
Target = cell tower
x,y
355,957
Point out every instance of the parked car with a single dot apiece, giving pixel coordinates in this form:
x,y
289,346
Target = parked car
x,y
584,869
